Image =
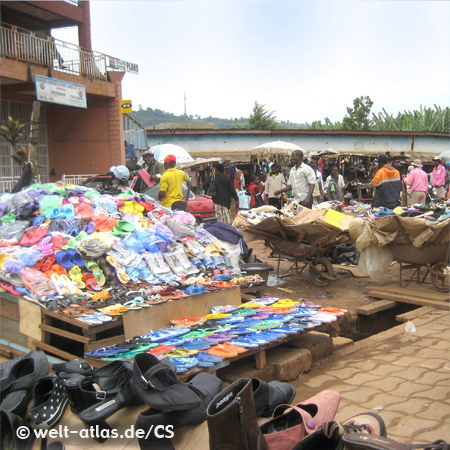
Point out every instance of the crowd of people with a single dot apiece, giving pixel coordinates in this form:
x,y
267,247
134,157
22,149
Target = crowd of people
x,y
280,180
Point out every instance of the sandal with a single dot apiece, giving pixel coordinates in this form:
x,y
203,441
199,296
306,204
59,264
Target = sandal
x,y
121,273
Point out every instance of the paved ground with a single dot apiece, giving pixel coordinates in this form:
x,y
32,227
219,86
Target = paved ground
x,y
404,377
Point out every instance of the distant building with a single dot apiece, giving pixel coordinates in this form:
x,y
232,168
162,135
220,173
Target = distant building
x,y
73,138
182,126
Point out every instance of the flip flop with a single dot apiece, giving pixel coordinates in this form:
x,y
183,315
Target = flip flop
x,y
75,257
98,274
91,282
63,259
206,360
120,270
131,305
184,364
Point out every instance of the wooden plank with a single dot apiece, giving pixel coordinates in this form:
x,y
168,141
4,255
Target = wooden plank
x,y
138,323
105,342
334,329
414,290
260,360
9,309
372,308
66,334
410,300
54,350
406,317
30,319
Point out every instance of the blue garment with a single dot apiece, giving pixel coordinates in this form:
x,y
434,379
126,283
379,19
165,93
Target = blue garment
x,y
227,233
244,200
130,151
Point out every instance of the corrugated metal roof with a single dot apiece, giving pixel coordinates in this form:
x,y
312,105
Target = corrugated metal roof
x,y
135,133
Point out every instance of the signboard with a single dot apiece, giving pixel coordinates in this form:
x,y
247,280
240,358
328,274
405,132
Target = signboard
x,y
120,64
126,106
61,92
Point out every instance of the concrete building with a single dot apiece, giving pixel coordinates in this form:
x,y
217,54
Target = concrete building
x,y
74,137
235,144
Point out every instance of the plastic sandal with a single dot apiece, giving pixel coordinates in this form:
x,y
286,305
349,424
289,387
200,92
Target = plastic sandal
x,y
91,282
131,305
181,353
120,270
206,360
184,364
104,351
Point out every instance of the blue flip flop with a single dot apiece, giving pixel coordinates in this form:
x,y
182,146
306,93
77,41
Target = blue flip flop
x,y
198,344
75,257
184,364
206,360
301,312
174,341
246,342
101,352
63,259
287,330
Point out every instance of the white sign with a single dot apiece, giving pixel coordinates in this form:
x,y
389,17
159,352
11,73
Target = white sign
x,y
120,64
61,92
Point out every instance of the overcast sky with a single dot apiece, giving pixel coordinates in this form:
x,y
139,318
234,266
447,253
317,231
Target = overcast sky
x,y
306,60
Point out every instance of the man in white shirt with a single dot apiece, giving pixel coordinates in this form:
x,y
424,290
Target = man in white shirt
x,y
274,182
341,182
302,180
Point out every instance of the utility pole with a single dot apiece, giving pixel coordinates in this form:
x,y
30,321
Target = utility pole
x,y
185,116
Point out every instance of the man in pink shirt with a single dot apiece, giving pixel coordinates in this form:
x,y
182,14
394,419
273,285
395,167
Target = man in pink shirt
x,y
417,180
439,173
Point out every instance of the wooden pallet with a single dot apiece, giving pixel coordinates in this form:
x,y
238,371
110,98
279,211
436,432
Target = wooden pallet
x,y
414,295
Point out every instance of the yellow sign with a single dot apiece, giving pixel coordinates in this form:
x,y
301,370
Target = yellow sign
x,y
125,106
333,217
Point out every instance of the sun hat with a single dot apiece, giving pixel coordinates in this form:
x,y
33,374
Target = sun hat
x,y
170,159
417,163
437,158
120,172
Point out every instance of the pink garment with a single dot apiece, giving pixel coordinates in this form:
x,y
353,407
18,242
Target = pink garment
x,y
417,180
439,175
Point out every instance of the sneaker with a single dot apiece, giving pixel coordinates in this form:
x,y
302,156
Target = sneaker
x,y
367,423
329,435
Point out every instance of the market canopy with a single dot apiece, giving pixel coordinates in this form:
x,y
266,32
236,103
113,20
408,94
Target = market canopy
x,y
198,162
162,150
276,148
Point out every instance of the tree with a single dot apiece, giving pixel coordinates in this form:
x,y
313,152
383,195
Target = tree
x,y
357,118
261,119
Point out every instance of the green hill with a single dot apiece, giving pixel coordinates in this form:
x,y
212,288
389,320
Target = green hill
x,y
149,116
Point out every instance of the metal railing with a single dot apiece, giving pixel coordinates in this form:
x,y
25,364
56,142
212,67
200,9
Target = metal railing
x,y
45,50
77,179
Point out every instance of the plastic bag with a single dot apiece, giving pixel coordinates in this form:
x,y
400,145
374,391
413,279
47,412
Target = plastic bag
x,y
134,244
49,203
14,230
18,200
157,265
164,233
375,261
179,229
151,241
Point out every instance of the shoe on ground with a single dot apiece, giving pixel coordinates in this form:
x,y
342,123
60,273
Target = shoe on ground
x,y
330,435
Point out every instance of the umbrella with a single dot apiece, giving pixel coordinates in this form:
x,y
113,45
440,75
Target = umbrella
x,y
276,148
162,150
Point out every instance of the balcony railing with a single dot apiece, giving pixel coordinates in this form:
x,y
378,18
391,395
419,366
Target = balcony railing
x,y
59,55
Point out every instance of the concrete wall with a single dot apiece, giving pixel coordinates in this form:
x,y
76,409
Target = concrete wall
x,y
218,143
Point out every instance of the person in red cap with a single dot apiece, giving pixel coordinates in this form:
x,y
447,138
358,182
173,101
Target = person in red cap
x,y
171,182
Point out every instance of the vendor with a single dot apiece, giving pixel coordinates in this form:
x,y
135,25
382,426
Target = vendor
x,y
171,183
302,180
154,168
439,173
120,176
388,185
417,181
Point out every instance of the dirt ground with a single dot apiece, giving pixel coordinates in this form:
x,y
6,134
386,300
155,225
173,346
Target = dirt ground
x,y
348,292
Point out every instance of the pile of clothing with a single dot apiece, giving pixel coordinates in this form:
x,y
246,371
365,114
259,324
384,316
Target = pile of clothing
x,y
70,246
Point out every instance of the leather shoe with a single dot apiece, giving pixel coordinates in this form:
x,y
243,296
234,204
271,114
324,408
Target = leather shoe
x,y
205,386
267,396
16,387
157,385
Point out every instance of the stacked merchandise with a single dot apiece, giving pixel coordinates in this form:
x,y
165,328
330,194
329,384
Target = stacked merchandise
x,y
77,251
225,333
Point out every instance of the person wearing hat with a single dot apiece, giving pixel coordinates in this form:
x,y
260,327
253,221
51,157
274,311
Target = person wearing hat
x,y
439,173
171,182
417,180
120,175
153,167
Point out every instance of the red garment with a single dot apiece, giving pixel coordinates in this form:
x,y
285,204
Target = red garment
x,y
252,195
